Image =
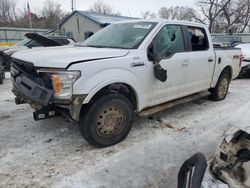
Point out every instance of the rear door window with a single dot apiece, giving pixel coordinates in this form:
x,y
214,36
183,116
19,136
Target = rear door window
x,y
198,39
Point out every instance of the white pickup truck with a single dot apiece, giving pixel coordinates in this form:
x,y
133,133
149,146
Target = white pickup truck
x,y
120,71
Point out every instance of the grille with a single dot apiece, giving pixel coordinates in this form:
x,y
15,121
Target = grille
x,y
25,67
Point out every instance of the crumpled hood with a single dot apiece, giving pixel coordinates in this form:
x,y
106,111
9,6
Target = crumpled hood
x,y
2,48
14,49
61,57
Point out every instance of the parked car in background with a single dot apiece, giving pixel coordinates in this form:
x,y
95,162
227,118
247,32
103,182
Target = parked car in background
x,y
34,40
226,40
121,70
245,71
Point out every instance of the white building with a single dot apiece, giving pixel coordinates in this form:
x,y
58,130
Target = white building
x,y
81,24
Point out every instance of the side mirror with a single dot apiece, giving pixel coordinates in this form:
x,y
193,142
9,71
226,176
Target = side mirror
x,y
152,55
159,72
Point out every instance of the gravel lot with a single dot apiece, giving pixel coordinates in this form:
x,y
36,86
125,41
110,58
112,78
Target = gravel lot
x,y
52,153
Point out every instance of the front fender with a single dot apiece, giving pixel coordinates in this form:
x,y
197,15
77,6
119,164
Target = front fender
x,y
100,80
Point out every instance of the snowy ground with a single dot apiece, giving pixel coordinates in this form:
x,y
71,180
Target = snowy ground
x,y
51,153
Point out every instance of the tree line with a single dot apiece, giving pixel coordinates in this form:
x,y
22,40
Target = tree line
x,y
227,16
221,16
47,17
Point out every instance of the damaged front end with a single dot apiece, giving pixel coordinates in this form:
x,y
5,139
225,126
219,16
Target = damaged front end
x,y
48,91
231,161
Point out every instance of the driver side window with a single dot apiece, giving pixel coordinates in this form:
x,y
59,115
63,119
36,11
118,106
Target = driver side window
x,y
169,41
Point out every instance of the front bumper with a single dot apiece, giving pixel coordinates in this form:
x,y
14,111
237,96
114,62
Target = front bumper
x,y
31,88
246,67
28,90
245,71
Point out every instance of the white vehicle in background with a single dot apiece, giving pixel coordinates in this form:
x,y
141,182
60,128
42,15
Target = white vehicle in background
x,y
33,40
245,71
128,67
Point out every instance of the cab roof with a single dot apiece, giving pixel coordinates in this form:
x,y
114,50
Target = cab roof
x,y
164,21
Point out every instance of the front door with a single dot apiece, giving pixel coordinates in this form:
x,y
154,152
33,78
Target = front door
x,y
170,47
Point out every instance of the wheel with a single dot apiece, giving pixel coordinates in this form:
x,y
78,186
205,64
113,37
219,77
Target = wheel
x,y
220,91
107,121
192,172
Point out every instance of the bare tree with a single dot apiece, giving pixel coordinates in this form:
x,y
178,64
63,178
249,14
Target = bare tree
x,y
148,15
51,14
103,8
178,12
7,11
211,9
235,16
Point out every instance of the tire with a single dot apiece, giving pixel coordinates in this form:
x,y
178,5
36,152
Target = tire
x,y
107,121
220,91
1,79
196,165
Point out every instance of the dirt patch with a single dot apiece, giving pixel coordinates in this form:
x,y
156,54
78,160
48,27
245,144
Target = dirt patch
x,y
110,152
183,130
163,125
3,117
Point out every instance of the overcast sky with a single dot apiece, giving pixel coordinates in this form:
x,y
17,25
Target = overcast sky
x,y
126,7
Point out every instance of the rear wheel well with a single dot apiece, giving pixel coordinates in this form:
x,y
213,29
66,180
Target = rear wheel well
x,y
120,88
229,71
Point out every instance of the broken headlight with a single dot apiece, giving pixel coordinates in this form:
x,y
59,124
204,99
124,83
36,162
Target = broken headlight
x,y
62,82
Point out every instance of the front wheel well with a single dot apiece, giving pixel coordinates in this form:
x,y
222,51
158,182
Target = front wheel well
x,y
120,88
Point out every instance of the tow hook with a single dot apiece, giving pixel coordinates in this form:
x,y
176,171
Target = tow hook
x,y
45,113
19,101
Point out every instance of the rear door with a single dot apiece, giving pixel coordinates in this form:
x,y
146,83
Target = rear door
x,y
200,60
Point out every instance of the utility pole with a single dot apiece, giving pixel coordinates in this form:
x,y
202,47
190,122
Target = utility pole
x,y
72,5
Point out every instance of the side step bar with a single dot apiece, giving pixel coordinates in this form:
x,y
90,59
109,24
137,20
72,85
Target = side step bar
x,y
153,110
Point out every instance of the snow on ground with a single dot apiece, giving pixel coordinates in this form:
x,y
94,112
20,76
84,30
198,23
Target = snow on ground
x,y
51,153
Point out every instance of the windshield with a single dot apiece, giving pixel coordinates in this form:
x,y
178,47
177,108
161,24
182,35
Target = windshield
x,y
123,35
23,42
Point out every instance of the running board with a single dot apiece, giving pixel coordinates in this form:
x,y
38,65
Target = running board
x,y
153,110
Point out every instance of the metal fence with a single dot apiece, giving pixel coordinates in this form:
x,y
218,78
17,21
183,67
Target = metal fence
x,y
13,35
